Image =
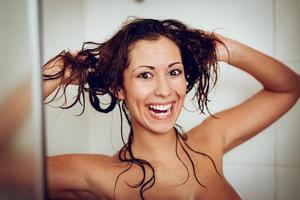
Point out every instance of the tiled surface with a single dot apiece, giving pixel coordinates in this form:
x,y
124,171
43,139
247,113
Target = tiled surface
x,y
233,18
233,87
65,132
104,131
254,30
288,29
63,26
252,182
103,18
63,30
258,150
288,183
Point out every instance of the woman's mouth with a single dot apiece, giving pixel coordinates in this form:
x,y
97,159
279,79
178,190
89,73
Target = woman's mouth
x,y
160,111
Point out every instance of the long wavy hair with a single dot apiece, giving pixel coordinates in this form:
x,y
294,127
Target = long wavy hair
x,y
98,68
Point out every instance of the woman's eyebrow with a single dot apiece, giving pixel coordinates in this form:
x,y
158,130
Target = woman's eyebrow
x,y
152,67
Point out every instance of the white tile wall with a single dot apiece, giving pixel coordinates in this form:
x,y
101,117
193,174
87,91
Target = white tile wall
x,y
253,25
101,132
247,21
288,183
62,26
66,133
288,29
252,182
63,29
258,150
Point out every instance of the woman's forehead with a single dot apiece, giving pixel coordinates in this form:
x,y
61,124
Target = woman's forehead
x,y
154,52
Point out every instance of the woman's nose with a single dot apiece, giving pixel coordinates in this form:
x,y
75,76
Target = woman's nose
x,y
163,88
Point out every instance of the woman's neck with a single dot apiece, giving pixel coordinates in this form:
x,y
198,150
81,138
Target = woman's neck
x,y
153,146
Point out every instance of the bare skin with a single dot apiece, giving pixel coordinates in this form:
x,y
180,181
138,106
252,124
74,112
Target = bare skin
x,y
93,176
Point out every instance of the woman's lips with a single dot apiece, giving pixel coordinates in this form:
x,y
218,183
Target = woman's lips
x,y
161,111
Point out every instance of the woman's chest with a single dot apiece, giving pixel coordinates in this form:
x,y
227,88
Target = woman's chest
x,y
189,175
176,184
187,191
193,186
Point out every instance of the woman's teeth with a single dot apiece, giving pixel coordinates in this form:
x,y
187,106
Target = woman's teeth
x,y
161,110
161,107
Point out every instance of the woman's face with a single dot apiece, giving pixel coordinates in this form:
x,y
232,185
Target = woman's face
x,y
154,85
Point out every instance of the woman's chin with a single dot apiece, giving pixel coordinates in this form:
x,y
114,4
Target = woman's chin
x,y
162,128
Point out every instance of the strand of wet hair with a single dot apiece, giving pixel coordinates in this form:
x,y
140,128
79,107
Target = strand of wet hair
x,y
185,166
69,60
184,138
123,150
139,162
190,159
142,164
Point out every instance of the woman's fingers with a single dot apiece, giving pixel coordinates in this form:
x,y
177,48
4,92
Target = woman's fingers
x,y
222,46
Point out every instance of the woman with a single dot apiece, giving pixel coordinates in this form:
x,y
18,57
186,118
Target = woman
x,y
147,68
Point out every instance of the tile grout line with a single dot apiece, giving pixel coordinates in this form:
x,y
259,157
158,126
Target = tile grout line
x,y
275,165
275,172
263,164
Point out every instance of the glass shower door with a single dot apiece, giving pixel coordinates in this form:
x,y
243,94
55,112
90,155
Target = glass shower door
x,y
22,174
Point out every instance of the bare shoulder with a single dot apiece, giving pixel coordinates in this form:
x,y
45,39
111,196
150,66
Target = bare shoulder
x,y
207,138
206,134
75,175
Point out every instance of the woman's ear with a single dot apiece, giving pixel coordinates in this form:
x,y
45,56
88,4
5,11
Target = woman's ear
x,y
120,94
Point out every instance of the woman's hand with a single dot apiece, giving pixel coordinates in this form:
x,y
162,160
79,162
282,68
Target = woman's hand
x,y
56,66
55,74
223,46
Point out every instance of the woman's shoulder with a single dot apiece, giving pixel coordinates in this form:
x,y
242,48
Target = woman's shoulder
x,y
83,172
206,134
207,139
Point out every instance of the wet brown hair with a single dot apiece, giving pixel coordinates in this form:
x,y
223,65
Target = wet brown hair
x,y
99,68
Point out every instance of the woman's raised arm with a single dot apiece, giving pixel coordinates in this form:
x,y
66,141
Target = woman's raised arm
x,y
281,90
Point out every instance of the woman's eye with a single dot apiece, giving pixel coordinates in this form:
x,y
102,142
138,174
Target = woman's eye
x,y
175,72
145,75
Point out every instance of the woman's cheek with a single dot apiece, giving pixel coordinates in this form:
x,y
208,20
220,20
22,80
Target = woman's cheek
x,y
179,86
141,88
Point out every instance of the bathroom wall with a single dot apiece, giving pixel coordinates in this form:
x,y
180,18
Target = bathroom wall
x,y
63,28
267,167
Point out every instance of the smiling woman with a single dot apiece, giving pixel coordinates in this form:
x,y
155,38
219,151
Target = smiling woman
x,y
154,85
147,68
